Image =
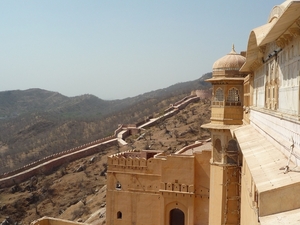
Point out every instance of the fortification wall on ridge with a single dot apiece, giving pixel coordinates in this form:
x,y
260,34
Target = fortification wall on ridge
x,y
184,149
203,94
47,164
183,103
55,155
52,163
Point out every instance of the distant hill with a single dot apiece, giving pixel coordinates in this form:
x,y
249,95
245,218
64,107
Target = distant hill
x,y
72,194
35,123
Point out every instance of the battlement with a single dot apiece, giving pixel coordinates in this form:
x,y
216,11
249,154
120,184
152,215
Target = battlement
x,y
132,158
176,187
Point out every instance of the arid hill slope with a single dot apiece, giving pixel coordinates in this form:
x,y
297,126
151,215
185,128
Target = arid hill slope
x,y
36,123
76,191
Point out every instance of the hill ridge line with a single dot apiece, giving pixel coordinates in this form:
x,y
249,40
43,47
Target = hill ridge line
x,y
47,164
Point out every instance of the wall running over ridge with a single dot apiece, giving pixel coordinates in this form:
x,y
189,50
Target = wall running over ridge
x,y
48,164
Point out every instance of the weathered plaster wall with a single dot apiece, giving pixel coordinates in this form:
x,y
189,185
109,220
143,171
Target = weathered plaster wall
x,y
151,188
138,196
249,207
202,188
216,193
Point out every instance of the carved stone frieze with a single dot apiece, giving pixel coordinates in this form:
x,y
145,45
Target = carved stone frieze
x,y
288,37
295,31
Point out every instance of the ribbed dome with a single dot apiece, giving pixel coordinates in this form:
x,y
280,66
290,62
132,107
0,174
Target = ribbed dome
x,y
231,61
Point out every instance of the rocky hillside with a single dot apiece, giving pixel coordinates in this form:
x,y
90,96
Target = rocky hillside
x,y
36,123
76,191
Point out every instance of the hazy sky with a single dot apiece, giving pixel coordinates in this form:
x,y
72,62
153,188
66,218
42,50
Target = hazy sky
x,y
117,49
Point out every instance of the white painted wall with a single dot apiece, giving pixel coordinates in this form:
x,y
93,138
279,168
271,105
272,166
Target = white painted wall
x,y
288,70
259,87
281,132
289,67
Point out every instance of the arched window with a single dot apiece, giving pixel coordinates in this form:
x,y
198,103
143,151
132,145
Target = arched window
x,y
176,217
232,146
233,97
119,215
217,151
219,95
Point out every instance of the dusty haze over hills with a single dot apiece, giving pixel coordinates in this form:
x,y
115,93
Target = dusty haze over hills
x,y
72,195
36,123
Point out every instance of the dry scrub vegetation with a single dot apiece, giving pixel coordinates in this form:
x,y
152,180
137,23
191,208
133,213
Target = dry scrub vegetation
x,y
76,191
36,123
30,137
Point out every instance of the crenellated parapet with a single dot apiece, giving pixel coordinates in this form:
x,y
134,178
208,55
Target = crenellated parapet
x,y
177,187
130,162
132,159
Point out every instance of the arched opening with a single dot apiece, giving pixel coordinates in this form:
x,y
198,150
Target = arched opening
x,y
176,217
232,146
219,97
217,151
232,152
233,97
119,215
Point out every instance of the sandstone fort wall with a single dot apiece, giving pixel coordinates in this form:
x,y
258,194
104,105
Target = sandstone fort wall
x,y
47,164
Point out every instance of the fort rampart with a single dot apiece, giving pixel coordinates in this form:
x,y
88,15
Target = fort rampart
x,y
182,103
49,163
131,159
190,147
56,155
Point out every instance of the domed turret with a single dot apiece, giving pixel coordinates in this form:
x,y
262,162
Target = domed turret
x,y
227,90
229,65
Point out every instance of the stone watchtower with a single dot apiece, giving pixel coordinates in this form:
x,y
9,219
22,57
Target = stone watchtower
x,y
226,114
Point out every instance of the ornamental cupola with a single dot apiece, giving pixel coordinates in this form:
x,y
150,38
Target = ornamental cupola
x,y
227,85
226,114
229,65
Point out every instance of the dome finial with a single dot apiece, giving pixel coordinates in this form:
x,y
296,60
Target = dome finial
x,y
232,50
